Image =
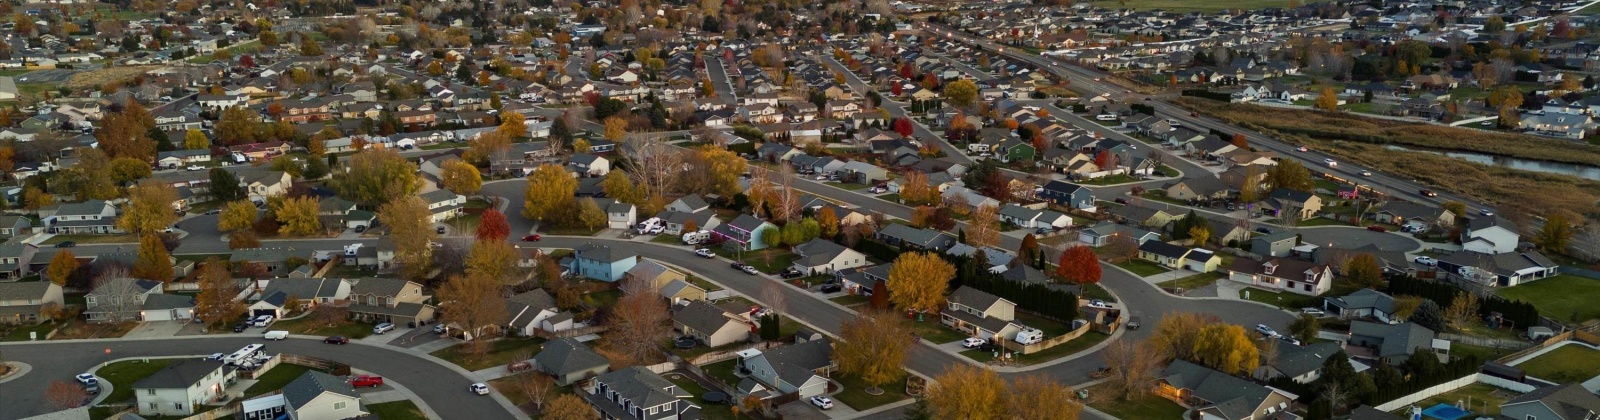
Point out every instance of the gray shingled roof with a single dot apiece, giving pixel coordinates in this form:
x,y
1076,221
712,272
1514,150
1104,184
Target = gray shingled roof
x,y
642,387
162,301
377,286
1299,360
568,355
973,297
1234,397
1398,339
818,252
180,374
24,291
1365,298
603,253
1571,401
312,384
701,316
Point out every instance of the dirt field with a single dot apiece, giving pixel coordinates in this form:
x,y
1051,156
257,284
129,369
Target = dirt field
x,y
94,78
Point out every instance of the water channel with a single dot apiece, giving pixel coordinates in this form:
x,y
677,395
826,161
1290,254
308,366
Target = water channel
x,y
1582,171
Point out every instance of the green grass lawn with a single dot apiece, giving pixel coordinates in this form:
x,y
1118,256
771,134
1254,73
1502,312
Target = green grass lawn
x,y
93,239
1089,339
930,329
771,260
709,411
1050,327
855,395
848,186
1195,281
1563,297
397,410
851,300
723,371
604,298
1481,352
892,197
20,332
1142,268
1283,300
123,374
1566,365
667,239
1161,196
1320,221
704,284
311,326
500,352
1108,180
275,379
1485,399
1144,407
570,231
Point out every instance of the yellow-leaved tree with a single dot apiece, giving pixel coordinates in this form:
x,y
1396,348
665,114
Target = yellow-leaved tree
x,y
1227,348
920,281
550,191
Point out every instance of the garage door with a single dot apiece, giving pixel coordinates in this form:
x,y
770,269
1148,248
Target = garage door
x,y
260,312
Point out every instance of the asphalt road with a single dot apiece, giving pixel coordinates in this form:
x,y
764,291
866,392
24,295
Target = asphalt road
x,y
443,389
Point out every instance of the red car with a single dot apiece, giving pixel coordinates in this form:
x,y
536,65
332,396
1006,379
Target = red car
x,y
366,381
337,339
531,238
1376,228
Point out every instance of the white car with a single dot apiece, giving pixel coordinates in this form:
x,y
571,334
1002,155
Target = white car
x,y
382,328
86,378
479,388
822,402
705,253
1097,303
1330,162
1366,173
1428,261
1301,149
749,269
1265,330
972,342
196,168
1313,312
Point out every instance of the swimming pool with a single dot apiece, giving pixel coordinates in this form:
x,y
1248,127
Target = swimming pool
x,y
1443,411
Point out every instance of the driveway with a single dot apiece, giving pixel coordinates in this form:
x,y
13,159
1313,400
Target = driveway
x,y
156,329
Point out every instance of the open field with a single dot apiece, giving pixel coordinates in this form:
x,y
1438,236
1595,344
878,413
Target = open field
x,y
1562,297
1569,364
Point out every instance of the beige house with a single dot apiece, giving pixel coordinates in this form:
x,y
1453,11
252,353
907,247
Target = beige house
x,y
1291,203
21,303
672,284
710,324
388,300
980,314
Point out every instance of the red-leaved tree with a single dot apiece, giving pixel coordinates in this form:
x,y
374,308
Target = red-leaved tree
x,y
903,126
492,226
1079,265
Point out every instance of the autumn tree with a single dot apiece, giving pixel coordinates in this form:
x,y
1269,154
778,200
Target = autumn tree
x,y
617,185
152,261
460,177
63,395
195,139
872,346
1328,100
550,191
535,386
149,209
487,146
568,407
984,227
715,171
238,125
237,216
1556,233
961,92
1363,269
512,125
968,392
496,260
473,303
590,215
639,322
1304,328
1227,348
1079,264
1120,248
375,176
216,303
62,265
1200,233
1036,397
616,128
298,216
33,198
121,135
915,191
920,281
1133,367
408,219
1463,311
492,226
1290,174
1176,334
828,222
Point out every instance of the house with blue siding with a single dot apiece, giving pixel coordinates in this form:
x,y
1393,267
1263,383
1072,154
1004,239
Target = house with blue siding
x,y
1069,195
602,262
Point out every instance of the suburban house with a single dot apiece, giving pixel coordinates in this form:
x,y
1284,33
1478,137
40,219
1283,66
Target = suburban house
x,y
444,205
619,215
176,389
569,361
589,165
309,292
799,369
1179,257
1218,395
980,314
672,284
1278,244
677,221
89,217
126,299
908,237
312,396
1144,216
1497,270
261,185
1407,214
1072,196
1101,233
388,300
1364,303
1031,218
602,262
22,303
637,393
1388,343
535,310
745,232
859,281
1292,203
821,256
1561,402
1489,235
709,324
1283,274
16,258
1302,364
1198,188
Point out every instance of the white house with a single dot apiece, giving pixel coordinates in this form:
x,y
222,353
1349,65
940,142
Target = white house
x,y
175,390
1489,235
444,204
821,256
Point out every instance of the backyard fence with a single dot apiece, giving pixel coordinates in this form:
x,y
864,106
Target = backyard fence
x,y
1049,342
1580,272
569,333
718,356
1431,391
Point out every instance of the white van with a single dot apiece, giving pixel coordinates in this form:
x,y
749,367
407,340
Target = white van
x,y
276,335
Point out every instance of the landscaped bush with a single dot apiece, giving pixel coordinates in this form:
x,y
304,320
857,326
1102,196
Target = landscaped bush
x,y
1521,314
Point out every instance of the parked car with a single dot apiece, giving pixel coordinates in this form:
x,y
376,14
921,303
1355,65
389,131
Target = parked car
x,y
1043,231
1376,228
67,244
440,328
382,328
792,274
1133,322
1097,303
822,402
215,357
92,388
370,381
706,253
973,342
86,378
1428,261
264,320
749,269
1265,330
1120,200
240,327
1264,230
831,288
1312,311
213,211
361,228
531,238
878,190
336,339
439,230
196,168
479,388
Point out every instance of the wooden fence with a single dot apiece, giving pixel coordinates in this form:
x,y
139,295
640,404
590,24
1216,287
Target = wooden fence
x,y
1049,342
569,333
718,356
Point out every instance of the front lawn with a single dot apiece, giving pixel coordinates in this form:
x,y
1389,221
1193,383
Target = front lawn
x,y
78,329
603,298
1485,399
930,329
1195,281
1563,297
310,325
704,284
1566,365
123,374
128,238
1281,300
1089,339
851,300
1143,407
892,198
397,410
500,352
20,332
570,231
855,394
275,379
1108,180
771,260
1141,268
